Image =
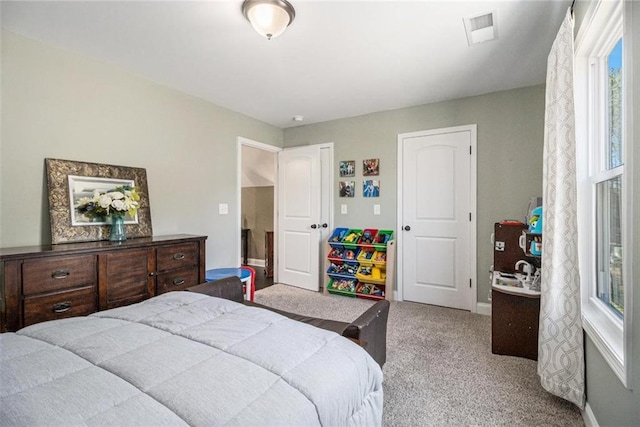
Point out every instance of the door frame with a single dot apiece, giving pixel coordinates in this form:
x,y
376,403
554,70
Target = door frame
x,y
274,150
328,181
473,207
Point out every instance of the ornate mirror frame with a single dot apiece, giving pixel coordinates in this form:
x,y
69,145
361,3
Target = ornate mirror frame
x,y
64,227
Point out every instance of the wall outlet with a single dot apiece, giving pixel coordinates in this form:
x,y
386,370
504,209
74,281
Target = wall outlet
x,y
376,209
343,209
223,209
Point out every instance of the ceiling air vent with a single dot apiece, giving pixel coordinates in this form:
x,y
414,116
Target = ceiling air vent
x,y
481,28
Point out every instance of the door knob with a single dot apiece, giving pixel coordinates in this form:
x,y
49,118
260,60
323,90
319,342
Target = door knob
x,y
325,225
314,226
407,228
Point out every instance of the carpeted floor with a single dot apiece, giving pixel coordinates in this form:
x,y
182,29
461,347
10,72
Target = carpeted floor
x,y
440,370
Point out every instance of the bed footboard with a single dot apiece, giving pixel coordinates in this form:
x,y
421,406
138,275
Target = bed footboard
x,y
371,327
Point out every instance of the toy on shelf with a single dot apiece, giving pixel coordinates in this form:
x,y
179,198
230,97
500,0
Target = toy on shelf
x,y
350,254
336,238
346,287
369,289
365,255
371,274
342,269
336,253
380,257
382,238
350,238
368,236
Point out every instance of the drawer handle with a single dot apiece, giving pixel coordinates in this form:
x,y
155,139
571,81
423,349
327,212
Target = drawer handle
x,y
178,282
61,307
60,274
179,255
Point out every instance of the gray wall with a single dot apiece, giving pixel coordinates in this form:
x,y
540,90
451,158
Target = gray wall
x,y
611,403
257,216
510,140
62,105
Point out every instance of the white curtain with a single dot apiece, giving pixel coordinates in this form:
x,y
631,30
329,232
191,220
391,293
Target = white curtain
x,y
560,340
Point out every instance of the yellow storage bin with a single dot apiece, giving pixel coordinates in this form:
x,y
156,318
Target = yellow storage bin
x,y
372,274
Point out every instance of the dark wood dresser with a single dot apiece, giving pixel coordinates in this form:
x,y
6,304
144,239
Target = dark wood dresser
x,y
39,283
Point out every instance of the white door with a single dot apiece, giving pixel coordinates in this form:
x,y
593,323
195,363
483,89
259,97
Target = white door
x,y
299,198
436,176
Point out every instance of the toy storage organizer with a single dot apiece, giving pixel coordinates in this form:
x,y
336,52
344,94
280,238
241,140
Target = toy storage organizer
x,y
360,263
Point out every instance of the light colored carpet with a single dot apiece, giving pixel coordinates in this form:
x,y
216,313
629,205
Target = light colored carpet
x,y
440,370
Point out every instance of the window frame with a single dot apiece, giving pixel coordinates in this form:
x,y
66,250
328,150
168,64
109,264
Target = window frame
x,y
604,24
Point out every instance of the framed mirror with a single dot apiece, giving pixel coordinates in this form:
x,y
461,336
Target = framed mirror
x,y
69,181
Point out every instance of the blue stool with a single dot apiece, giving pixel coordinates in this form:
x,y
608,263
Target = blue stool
x,y
243,274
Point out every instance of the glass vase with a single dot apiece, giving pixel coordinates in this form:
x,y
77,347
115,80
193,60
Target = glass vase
x,y
117,233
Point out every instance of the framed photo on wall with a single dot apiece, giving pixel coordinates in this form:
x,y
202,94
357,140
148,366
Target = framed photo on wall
x,y
371,167
347,188
347,168
371,188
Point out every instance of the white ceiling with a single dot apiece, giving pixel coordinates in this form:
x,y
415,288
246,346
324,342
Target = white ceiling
x,y
338,58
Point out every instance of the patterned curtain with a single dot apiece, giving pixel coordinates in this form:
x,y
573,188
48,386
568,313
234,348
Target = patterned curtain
x,y
560,346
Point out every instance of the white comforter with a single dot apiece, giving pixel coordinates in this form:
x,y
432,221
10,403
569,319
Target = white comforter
x,y
185,358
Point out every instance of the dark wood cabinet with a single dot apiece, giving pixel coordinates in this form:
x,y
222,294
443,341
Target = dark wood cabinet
x,y
268,253
515,311
126,277
514,323
41,283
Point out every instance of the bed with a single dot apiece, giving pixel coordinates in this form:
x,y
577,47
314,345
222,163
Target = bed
x,y
185,358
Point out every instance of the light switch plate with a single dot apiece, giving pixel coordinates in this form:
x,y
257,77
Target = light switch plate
x,y
376,209
223,209
343,209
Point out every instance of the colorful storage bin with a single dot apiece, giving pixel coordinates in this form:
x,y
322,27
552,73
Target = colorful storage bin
x,y
381,239
346,287
336,238
372,274
351,238
342,270
369,291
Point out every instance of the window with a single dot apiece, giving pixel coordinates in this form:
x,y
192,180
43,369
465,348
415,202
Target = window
x,y
608,183
603,193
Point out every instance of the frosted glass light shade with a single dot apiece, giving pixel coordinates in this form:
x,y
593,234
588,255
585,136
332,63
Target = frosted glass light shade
x,y
268,17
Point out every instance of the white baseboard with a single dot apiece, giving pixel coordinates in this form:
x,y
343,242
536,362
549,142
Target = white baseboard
x,y
255,262
483,308
589,417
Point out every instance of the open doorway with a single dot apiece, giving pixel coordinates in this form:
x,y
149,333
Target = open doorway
x,y
257,216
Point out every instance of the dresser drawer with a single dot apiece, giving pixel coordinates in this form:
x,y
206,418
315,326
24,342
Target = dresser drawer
x,y
58,273
177,280
78,302
177,256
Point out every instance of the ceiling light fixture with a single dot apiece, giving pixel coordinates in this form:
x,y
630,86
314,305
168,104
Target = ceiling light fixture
x,y
269,17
